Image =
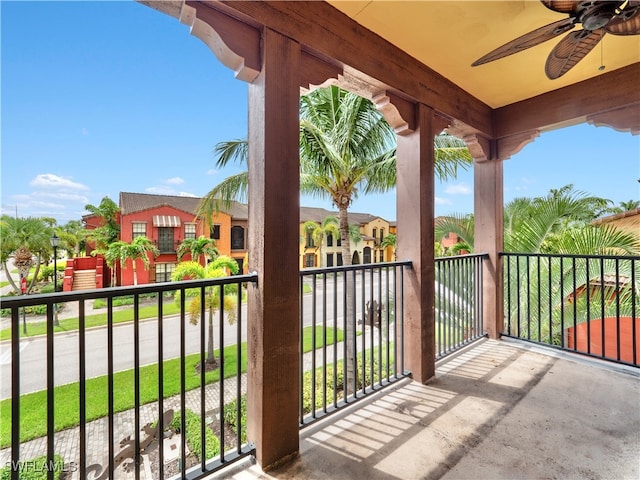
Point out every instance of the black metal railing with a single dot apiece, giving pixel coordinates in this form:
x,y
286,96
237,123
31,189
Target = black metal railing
x,y
458,302
588,304
352,334
139,391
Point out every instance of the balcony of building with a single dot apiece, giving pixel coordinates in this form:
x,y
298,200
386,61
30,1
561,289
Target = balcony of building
x,y
549,399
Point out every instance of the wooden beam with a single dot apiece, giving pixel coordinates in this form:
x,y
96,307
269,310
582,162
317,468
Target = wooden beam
x,y
572,104
325,32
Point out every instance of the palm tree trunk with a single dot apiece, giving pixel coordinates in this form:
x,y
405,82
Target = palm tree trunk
x,y
350,334
210,358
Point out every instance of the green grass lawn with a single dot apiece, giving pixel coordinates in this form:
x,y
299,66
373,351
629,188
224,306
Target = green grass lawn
x,y
96,320
33,406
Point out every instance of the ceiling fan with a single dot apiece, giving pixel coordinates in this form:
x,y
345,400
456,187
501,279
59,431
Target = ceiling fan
x,y
597,18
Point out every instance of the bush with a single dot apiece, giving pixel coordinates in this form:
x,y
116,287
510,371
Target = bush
x,y
230,415
193,425
35,469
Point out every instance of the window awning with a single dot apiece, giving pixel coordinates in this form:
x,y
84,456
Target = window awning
x,y
166,221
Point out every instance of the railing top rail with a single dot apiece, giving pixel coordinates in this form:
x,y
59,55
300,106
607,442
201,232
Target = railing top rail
x,y
468,255
360,266
568,255
43,298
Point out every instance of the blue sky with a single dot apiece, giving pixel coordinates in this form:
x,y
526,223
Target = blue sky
x,y
104,97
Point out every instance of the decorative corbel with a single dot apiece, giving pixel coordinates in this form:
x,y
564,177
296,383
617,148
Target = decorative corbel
x,y
236,44
398,112
625,119
508,146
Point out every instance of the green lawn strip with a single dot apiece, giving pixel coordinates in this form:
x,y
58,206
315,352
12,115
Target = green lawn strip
x,y
96,320
33,406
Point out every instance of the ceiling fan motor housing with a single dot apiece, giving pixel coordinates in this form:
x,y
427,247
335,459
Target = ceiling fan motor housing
x,y
596,14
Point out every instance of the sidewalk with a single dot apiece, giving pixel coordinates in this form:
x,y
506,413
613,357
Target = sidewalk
x,y
97,432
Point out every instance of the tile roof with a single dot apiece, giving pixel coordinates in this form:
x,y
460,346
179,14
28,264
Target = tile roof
x,y
130,202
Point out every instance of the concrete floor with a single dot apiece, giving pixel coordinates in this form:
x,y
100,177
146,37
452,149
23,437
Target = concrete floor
x,y
498,410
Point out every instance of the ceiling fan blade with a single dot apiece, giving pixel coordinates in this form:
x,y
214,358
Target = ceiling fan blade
x,y
625,25
570,50
527,40
562,6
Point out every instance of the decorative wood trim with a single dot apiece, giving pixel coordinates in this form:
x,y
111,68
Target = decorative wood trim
x,y
625,119
479,146
236,44
572,104
511,145
315,72
326,32
398,112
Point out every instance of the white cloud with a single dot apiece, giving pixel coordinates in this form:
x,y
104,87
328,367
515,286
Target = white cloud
x,y
174,181
49,180
459,189
160,190
211,171
443,201
186,194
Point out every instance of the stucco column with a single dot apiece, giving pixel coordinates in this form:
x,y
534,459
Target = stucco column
x,y
274,210
489,238
415,219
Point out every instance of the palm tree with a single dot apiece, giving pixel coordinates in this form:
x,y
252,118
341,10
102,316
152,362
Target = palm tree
x,y
139,248
109,231
346,148
24,238
198,247
72,237
461,225
627,206
220,267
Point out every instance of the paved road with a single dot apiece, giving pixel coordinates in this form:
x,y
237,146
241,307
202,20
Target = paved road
x,y
66,346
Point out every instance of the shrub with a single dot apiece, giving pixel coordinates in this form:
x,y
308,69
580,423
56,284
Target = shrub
x,y
230,415
193,424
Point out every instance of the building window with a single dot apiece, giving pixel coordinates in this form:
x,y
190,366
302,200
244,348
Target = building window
x,y
329,240
240,262
375,234
165,239
366,255
310,260
189,230
214,232
338,259
381,234
339,241
381,256
237,238
309,243
164,271
329,259
139,229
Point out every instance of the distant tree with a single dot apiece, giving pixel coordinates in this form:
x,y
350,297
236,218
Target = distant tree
x,y
109,231
198,247
22,239
220,267
390,241
72,238
139,248
627,206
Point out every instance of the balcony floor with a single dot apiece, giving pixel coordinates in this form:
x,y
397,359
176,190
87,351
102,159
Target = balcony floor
x,y
498,410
